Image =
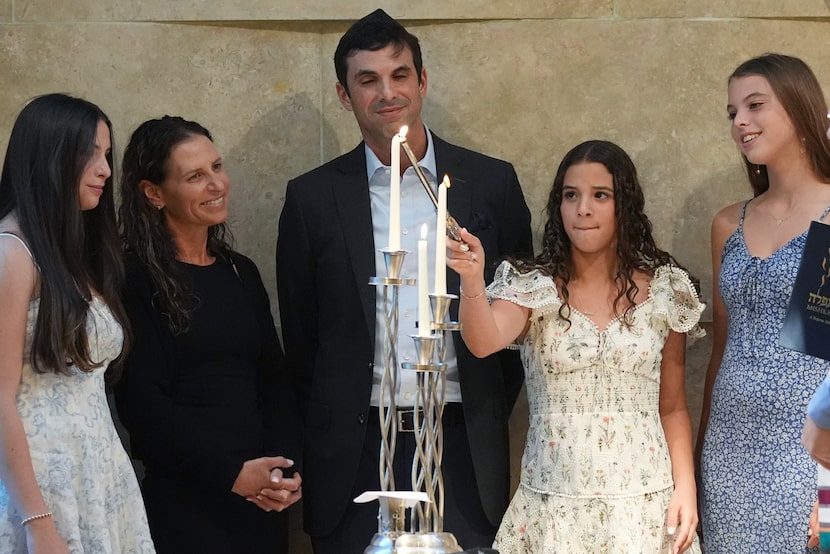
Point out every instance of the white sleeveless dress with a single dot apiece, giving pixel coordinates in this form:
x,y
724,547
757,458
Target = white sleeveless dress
x,y
84,473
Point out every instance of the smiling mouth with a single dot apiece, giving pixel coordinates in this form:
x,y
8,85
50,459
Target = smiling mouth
x,y
748,138
389,111
384,108
217,202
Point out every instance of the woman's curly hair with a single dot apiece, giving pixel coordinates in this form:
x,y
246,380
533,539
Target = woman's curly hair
x,y
143,228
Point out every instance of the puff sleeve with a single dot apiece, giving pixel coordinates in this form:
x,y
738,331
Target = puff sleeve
x,y
676,298
533,289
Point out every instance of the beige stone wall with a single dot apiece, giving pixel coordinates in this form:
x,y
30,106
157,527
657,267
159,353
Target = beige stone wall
x,y
524,80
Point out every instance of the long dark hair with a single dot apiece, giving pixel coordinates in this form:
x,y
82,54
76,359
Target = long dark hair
x,y
636,249
77,252
143,227
796,87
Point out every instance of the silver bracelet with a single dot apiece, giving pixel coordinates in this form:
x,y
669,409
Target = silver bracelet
x,y
29,519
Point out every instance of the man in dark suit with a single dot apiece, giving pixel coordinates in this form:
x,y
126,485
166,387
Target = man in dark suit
x,y
334,220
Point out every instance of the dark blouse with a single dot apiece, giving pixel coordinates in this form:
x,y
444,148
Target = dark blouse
x,y
198,405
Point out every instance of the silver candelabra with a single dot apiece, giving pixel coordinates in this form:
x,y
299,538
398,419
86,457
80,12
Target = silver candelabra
x,y
426,535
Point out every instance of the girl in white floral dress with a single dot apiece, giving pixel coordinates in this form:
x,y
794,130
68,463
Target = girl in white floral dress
x,y
66,483
601,318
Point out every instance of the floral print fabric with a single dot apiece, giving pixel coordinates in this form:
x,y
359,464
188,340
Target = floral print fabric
x,y
758,482
596,474
84,473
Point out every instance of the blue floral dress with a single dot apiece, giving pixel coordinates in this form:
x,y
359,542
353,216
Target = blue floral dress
x,y
758,482
596,473
85,475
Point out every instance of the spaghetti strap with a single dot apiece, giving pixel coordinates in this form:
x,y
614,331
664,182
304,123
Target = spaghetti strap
x,y
824,213
23,242
743,215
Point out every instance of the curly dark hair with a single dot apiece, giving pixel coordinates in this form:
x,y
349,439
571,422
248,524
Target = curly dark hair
x,y
143,228
636,249
77,252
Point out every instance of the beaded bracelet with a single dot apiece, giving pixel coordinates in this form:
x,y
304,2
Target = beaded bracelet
x,y
29,519
479,295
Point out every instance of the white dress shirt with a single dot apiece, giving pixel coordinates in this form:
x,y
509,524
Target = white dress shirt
x,y
416,209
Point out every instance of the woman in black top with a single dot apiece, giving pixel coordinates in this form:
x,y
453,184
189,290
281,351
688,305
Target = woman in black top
x,y
202,396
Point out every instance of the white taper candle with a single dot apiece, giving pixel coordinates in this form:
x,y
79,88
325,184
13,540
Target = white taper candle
x,y
424,317
441,239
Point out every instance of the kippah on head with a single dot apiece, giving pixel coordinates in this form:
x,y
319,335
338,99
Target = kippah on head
x,y
378,15
373,23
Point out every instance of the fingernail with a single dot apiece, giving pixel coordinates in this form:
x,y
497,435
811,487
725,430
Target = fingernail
x,y
290,462
275,479
670,530
259,497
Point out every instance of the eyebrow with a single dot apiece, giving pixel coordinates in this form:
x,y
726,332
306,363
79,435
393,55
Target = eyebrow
x,y
748,96
199,168
603,188
362,72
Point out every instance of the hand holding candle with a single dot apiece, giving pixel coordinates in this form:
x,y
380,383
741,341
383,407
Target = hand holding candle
x,y
423,279
441,239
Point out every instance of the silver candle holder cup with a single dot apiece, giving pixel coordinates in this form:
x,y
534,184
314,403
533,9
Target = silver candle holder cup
x,y
440,304
425,347
393,260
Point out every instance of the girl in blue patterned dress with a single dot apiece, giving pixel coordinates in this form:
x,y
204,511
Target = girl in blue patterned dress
x,y
601,317
758,483
66,483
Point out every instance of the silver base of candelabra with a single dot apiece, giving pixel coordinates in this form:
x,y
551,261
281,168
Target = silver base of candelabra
x,y
413,543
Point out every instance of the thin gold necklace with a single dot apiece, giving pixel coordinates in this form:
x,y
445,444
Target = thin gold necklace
x,y
779,221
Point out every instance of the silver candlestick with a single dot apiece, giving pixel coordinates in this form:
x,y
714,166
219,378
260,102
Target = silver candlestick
x,y
427,520
389,381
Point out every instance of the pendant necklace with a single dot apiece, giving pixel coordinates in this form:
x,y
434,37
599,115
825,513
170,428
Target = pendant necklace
x,y
779,221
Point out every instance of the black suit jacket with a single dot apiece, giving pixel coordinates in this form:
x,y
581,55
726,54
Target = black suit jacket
x,y
325,257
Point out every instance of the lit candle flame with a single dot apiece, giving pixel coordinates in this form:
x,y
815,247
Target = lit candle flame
x,y
403,131
424,231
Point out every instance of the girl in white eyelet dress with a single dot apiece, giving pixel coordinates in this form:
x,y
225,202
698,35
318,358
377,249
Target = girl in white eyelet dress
x,y
601,317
